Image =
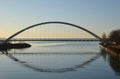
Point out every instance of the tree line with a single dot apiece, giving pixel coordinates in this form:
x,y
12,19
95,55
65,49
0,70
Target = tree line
x,y
112,38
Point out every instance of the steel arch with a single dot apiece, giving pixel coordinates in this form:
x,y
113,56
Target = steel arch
x,y
51,22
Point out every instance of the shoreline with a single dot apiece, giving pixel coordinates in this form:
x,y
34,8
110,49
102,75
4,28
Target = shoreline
x,y
111,49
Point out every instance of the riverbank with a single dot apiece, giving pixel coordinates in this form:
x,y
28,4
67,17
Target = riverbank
x,y
114,49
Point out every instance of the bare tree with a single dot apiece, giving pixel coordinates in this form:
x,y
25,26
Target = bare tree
x,y
104,37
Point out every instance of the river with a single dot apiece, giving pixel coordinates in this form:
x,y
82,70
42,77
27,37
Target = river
x,y
59,60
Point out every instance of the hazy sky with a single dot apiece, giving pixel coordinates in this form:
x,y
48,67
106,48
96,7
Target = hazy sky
x,y
96,15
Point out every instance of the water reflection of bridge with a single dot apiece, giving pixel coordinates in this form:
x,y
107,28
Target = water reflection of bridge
x,y
36,66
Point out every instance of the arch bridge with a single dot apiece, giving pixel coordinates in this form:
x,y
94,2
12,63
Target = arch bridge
x,y
52,22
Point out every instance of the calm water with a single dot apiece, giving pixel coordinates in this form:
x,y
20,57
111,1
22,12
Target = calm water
x,y
59,60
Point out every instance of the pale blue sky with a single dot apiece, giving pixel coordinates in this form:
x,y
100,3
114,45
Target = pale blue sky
x,y
96,15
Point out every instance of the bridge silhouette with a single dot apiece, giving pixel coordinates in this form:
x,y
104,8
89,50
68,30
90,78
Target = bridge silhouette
x,y
52,22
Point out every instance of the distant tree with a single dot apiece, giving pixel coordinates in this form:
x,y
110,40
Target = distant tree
x,y
114,36
105,40
104,37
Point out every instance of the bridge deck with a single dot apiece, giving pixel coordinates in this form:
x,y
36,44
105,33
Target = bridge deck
x,y
53,40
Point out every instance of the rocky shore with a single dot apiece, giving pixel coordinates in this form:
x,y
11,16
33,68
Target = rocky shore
x,y
13,46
